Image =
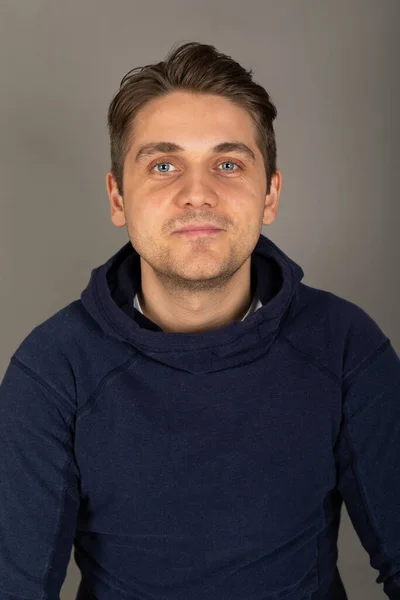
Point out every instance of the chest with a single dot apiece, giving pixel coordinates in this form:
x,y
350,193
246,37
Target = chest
x,y
245,449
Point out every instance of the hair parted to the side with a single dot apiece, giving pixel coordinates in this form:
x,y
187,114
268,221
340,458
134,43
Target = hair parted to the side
x,y
198,68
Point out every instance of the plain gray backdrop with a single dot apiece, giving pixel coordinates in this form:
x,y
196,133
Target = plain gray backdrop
x,y
330,66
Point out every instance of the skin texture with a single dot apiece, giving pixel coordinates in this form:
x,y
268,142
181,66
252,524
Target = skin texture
x,y
197,284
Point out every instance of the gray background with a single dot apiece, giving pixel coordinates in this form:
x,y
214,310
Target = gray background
x,y
331,67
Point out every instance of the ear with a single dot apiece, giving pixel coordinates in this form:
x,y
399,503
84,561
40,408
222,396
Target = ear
x,y
116,201
272,199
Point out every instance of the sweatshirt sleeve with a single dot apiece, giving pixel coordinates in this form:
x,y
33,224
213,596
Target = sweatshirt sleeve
x,y
39,496
368,460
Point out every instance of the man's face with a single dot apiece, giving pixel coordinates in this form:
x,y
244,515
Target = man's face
x,y
166,191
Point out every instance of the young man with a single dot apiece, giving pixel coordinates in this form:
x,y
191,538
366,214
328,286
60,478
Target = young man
x,y
194,421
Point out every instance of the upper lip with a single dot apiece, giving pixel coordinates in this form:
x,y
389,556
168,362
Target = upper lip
x,y
198,227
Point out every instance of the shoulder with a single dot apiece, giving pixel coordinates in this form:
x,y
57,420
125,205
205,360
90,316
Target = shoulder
x,y
334,330
70,352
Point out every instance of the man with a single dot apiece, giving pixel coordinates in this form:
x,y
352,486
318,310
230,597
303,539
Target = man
x,y
195,420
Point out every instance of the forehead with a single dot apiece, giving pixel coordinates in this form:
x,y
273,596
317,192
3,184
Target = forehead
x,y
193,121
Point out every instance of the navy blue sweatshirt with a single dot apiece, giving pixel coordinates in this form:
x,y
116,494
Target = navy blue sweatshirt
x,y
204,466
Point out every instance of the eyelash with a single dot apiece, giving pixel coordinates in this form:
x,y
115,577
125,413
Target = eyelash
x,y
161,162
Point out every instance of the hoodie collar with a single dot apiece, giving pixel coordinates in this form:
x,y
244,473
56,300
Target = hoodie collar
x,y
108,298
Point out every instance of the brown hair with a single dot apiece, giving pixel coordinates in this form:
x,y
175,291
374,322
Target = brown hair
x,y
198,68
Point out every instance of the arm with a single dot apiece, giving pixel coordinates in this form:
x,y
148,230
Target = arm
x,y
368,460
39,496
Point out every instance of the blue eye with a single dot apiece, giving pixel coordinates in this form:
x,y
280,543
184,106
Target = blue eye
x,y
162,163
225,162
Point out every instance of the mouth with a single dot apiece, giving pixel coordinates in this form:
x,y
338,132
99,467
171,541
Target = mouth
x,y
198,232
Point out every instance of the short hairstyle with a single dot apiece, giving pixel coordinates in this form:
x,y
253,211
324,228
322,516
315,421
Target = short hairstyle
x,y
197,68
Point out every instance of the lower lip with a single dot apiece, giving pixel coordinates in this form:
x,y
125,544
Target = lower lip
x,y
199,232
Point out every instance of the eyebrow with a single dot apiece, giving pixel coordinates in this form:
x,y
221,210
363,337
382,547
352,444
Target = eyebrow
x,y
169,147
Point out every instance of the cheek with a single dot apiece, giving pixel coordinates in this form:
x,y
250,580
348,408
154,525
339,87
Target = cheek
x,y
147,228
246,209
151,218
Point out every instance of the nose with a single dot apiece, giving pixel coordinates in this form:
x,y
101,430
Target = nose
x,y
198,190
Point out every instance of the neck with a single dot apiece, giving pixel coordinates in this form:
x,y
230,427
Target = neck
x,y
194,314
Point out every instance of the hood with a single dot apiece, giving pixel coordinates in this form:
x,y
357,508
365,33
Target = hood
x,y
109,295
